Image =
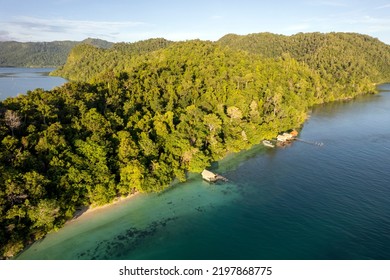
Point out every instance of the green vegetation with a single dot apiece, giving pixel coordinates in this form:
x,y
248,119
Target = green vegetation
x,y
136,116
41,54
344,60
88,63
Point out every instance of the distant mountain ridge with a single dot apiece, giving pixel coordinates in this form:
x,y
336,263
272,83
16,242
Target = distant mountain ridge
x,y
41,54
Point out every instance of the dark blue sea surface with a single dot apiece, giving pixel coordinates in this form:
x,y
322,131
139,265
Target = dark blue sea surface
x,y
298,202
14,81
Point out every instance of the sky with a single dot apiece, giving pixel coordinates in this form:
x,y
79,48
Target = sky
x,y
134,20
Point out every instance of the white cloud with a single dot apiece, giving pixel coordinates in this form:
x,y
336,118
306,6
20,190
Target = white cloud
x,y
26,29
4,36
39,29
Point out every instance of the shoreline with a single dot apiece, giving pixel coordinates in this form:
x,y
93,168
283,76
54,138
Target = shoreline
x,y
86,211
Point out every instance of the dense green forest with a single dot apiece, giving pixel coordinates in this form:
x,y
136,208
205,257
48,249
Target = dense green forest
x,y
346,62
41,54
342,59
87,63
136,116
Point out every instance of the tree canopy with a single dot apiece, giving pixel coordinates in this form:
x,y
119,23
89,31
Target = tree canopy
x,y
41,54
135,118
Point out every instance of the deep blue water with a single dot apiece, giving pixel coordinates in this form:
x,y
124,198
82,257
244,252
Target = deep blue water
x,y
14,81
297,202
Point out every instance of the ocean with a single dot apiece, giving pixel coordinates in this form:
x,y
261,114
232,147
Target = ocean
x,y
299,202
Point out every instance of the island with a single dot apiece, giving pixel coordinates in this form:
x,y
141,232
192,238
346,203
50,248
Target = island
x,y
136,116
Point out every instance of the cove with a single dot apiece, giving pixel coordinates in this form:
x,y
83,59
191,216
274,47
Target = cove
x,y
14,81
298,202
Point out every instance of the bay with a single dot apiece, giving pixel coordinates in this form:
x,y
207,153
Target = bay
x,y
14,81
298,202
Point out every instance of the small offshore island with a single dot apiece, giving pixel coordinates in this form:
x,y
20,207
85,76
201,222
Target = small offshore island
x,y
136,116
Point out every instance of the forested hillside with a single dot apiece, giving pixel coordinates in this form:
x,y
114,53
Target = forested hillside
x,y
346,62
88,63
340,58
140,115
41,54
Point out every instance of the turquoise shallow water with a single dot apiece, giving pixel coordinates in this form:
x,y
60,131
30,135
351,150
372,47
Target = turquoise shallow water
x,y
299,202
